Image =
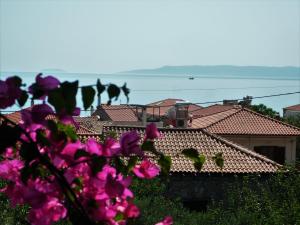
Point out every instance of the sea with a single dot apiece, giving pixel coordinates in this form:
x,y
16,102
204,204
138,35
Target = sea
x,y
199,89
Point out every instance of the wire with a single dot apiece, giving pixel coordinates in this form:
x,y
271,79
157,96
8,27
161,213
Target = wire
x,y
210,89
132,106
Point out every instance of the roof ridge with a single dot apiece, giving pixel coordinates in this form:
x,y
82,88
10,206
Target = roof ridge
x,y
241,148
199,116
226,117
270,118
218,138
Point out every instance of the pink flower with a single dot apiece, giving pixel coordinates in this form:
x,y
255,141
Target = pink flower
x,y
51,211
70,149
93,147
151,132
110,147
37,114
43,85
10,169
9,92
132,211
167,221
129,142
146,170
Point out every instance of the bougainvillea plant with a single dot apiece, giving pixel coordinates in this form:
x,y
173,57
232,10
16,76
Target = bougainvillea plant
x,y
47,167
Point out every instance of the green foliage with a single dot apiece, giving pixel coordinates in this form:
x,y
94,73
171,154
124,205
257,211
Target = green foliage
x,y
88,94
22,100
64,97
198,159
165,164
219,160
253,201
263,109
293,120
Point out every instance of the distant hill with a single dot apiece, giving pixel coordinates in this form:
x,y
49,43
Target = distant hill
x,y
223,70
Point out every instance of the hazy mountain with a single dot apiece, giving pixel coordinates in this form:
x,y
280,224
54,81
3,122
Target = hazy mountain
x,y
223,70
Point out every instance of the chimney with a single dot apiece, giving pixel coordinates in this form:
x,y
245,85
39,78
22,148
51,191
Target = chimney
x,y
230,102
182,115
144,115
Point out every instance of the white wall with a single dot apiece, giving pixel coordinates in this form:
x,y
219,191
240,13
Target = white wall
x,y
250,142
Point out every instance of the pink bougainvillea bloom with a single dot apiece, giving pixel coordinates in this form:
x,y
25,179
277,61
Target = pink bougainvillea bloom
x,y
110,147
167,221
93,147
146,170
37,114
10,169
129,142
44,85
9,92
70,149
51,211
152,132
132,211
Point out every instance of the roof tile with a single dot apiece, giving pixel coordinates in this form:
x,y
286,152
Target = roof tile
x,y
237,159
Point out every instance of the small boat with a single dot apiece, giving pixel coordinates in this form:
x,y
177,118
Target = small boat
x,y
191,78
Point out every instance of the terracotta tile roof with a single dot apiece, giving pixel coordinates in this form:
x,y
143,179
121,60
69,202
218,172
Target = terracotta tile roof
x,y
213,109
293,107
245,122
205,121
237,159
91,123
15,116
161,107
117,113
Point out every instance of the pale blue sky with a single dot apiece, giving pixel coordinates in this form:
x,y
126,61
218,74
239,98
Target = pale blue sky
x,y
111,35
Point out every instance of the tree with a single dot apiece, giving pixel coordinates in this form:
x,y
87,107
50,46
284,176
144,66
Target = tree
x,y
263,109
47,167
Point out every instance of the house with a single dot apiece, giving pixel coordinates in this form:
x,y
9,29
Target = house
x,y
210,183
270,137
85,125
160,108
291,111
121,114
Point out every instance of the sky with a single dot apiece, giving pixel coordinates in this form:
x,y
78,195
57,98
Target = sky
x,y
117,35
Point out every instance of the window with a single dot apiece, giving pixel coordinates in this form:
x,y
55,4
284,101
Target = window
x,y
275,153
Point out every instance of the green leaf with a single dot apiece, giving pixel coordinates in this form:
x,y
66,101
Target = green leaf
x,y
22,100
41,138
97,164
120,166
69,91
17,81
148,146
100,88
191,153
29,151
119,217
88,94
113,92
63,99
68,130
165,164
131,163
199,162
218,158
25,173
81,153
126,91
55,98
8,136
